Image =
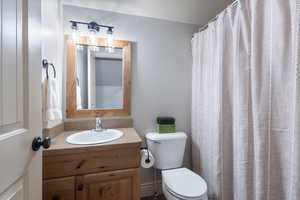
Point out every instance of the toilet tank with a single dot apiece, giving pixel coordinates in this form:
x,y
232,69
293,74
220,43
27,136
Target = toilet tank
x,y
167,149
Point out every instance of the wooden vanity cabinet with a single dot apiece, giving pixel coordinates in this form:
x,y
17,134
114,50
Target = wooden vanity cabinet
x,y
116,185
59,189
93,175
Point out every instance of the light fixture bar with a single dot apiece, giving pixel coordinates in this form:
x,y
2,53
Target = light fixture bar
x,y
91,24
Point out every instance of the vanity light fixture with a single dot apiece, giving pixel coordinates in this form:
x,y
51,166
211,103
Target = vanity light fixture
x,y
110,31
94,28
110,40
74,28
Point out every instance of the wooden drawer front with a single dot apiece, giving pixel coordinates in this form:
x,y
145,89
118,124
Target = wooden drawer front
x,y
117,185
90,162
59,189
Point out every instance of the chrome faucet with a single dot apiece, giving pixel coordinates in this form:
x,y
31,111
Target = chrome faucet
x,y
98,124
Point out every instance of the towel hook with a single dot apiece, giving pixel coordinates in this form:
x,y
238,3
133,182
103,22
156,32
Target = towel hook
x,y
46,66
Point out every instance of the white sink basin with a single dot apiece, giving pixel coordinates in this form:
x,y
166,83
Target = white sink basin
x,y
94,137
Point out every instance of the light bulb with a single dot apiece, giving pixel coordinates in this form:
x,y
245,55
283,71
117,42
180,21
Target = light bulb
x,y
74,28
75,37
110,42
92,37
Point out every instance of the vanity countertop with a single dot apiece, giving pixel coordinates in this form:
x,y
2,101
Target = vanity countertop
x,y
60,146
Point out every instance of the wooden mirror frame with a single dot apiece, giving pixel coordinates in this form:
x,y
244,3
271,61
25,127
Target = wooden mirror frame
x,y
72,111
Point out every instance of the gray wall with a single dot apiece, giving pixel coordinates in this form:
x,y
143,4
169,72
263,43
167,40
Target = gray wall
x,y
162,65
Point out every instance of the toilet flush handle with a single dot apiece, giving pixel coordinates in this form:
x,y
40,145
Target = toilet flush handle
x,y
154,141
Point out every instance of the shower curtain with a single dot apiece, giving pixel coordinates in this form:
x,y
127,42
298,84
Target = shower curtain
x,y
246,102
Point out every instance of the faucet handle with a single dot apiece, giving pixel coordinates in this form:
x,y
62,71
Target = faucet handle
x,y
98,120
98,124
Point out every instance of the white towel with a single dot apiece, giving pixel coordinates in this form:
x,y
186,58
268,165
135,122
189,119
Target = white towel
x,y
52,107
78,97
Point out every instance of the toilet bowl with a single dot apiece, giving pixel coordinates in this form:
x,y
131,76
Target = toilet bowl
x,y
177,183
183,184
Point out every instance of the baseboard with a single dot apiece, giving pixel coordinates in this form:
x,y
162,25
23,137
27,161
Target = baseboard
x,y
147,189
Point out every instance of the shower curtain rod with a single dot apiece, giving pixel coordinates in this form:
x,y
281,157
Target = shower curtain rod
x,y
202,28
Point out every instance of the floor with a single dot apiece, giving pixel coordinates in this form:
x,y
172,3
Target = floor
x,y
161,197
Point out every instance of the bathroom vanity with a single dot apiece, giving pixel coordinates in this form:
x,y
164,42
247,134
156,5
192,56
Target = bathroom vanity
x,y
108,171
98,85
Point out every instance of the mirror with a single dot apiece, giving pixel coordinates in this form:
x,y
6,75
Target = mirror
x,y
98,78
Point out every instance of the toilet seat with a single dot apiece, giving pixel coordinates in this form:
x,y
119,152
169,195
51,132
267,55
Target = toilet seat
x,y
184,184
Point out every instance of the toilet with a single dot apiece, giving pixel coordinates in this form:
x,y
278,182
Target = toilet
x,y
178,183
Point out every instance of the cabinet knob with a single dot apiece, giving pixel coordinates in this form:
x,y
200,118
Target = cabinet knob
x,y
80,187
38,142
55,197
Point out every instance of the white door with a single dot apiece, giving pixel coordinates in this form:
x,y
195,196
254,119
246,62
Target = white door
x,y
20,99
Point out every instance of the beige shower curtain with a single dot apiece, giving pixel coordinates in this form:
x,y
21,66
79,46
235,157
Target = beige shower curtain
x,y
246,102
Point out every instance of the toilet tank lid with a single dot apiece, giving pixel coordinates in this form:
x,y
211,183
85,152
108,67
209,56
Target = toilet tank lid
x,y
166,136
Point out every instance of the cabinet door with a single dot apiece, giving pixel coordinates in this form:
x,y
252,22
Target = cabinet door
x,y
116,185
59,189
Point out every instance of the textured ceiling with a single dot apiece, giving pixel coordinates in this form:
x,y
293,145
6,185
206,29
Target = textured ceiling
x,y
186,11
